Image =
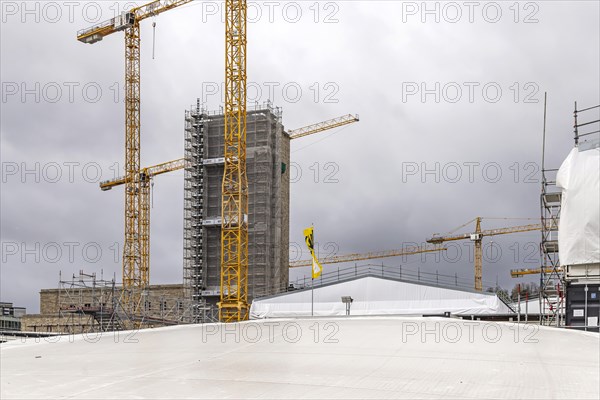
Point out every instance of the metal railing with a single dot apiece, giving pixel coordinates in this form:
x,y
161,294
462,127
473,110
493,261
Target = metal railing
x,y
380,270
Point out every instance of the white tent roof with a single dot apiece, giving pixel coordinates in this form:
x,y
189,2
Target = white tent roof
x,y
333,358
378,296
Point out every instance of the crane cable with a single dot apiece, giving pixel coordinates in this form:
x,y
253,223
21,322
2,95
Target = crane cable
x,y
151,192
462,226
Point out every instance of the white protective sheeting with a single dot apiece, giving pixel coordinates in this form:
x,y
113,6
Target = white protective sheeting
x,y
531,307
319,358
579,226
378,296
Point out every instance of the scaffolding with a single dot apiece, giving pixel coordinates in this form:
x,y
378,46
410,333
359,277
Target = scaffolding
x,y
268,205
590,137
552,302
194,275
552,278
86,304
582,280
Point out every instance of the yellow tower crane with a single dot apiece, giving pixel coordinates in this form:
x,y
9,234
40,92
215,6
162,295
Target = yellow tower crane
x,y
323,126
369,256
135,272
233,304
518,273
148,173
476,237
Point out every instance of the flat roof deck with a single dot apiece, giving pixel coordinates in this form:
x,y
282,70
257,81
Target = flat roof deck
x,y
352,357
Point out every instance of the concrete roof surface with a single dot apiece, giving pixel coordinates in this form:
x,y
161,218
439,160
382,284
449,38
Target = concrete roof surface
x,y
354,357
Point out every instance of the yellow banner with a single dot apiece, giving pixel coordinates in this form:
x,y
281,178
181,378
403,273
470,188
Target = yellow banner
x,y
310,243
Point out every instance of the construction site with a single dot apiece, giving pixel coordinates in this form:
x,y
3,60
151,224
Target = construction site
x,y
241,316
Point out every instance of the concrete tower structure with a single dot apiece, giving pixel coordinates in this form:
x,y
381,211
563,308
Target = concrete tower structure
x,y
268,159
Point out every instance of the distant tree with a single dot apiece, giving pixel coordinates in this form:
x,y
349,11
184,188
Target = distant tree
x,y
501,291
498,290
530,289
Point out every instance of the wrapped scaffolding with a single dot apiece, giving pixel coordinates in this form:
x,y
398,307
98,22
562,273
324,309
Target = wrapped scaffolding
x,y
572,189
268,206
579,237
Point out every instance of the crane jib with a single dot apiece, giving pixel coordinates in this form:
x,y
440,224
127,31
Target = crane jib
x,y
126,20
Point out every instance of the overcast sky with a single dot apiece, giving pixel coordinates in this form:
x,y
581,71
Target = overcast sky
x,y
460,97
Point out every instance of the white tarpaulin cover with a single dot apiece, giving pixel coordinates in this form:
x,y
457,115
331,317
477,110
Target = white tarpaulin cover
x,y
579,226
531,306
378,296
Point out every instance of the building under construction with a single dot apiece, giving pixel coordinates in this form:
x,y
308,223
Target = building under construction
x,y
87,304
268,158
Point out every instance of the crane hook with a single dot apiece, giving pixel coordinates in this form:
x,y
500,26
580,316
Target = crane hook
x,y
153,37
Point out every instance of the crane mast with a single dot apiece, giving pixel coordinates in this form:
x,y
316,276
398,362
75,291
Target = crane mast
x,y
476,237
233,304
135,275
137,225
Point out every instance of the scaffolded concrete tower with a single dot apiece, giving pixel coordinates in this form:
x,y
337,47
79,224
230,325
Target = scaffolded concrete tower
x,y
268,158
